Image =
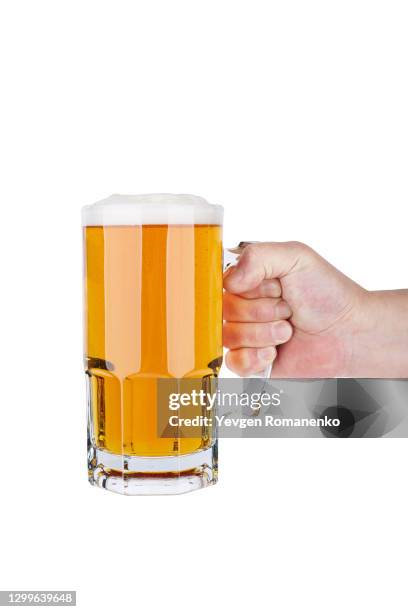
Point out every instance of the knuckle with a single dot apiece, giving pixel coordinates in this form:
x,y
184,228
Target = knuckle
x,y
297,245
250,362
250,252
238,361
233,335
256,312
230,362
227,306
270,356
226,333
262,311
271,331
246,361
263,333
258,332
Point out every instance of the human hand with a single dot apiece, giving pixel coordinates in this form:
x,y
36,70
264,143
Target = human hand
x,y
284,303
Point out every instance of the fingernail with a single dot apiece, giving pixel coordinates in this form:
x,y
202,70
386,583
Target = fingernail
x,y
283,332
283,310
268,353
233,272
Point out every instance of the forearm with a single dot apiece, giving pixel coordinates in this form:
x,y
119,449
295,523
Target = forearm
x,y
380,346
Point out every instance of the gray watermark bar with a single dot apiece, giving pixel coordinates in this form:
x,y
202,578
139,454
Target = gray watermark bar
x,y
37,598
279,408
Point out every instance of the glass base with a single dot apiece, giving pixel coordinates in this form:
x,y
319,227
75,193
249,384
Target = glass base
x,y
130,475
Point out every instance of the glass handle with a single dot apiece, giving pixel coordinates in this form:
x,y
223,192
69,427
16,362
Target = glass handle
x,y
231,257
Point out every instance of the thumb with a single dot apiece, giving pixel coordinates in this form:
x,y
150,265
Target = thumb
x,y
262,261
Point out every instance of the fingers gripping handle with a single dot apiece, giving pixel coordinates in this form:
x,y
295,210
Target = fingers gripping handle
x,y
231,257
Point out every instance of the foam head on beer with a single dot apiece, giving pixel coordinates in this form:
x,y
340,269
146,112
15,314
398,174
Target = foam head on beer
x,y
153,309
152,209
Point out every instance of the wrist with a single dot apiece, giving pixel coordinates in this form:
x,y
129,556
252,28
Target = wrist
x,y
380,338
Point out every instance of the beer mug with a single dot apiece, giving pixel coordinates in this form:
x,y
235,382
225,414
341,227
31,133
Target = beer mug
x,y
153,269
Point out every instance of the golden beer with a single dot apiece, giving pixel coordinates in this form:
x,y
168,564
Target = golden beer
x,y
153,309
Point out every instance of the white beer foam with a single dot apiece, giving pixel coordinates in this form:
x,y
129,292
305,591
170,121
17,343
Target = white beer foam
x,y
152,209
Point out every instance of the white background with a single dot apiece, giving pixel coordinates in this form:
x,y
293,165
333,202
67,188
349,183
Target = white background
x,y
293,115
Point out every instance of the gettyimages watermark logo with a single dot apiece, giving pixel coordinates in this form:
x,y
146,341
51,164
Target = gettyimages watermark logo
x,y
221,398
259,408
